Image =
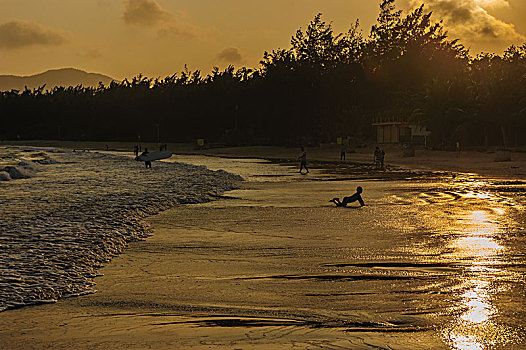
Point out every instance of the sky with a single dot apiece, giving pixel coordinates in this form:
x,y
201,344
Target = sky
x,y
122,38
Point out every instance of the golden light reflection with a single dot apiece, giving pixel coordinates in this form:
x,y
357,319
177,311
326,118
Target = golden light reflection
x,y
475,329
477,302
477,247
477,195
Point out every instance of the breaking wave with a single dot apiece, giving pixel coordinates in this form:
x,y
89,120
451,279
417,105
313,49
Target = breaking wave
x,y
74,211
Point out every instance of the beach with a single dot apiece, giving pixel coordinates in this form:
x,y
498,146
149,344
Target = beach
x,y
481,162
434,260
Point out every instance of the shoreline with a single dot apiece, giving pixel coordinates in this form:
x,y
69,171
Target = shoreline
x,y
178,288
135,305
63,220
467,162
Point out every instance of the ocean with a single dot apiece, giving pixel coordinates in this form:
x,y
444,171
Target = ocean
x,y
431,261
65,213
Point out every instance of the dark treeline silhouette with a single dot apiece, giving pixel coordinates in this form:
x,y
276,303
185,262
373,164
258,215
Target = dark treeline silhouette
x,y
326,85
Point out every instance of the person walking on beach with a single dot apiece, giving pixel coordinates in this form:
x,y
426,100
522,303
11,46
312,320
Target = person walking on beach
x,y
343,151
346,200
303,160
147,163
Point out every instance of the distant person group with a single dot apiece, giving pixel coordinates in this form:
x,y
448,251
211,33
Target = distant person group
x,y
356,197
379,162
379,157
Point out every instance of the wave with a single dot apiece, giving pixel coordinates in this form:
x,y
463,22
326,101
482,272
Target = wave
x,y
23,163
58,228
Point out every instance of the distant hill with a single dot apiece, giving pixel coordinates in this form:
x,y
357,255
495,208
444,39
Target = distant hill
x,y
52,78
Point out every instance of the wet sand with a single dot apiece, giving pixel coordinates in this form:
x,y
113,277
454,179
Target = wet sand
x,y
255,272
481,162
436,263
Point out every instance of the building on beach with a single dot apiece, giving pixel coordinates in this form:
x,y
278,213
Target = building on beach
x,y
397,131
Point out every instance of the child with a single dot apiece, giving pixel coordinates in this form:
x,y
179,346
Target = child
x,y
346,200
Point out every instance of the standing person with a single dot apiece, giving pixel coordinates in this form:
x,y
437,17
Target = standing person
x,y
379,156
303,160
147,163
346,200
376,158
343,150
136,150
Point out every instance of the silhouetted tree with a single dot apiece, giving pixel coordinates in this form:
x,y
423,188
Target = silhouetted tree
x,y
324,85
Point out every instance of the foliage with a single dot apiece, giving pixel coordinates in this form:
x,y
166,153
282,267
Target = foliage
x,y
325,85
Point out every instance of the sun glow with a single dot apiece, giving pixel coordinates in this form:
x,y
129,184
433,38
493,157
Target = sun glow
x,y
492,3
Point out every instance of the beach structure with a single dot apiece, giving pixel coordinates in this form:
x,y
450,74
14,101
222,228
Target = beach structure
x,y
396,130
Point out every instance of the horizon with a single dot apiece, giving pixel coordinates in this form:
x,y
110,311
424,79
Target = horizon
x,y
158,38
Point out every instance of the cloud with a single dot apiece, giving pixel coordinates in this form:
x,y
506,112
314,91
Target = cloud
x,y
493,3
148,13
143,13
230,55
468,19
18,34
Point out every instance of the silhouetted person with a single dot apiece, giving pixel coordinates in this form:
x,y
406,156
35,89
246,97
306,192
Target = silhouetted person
x,y
147,163
342,153
346,200
136,150
379,156
303,160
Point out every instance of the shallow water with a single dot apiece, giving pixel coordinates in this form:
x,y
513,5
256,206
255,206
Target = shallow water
x,y
435,262
72,211
441,256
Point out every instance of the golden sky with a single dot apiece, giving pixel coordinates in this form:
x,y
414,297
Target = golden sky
x,y
123,38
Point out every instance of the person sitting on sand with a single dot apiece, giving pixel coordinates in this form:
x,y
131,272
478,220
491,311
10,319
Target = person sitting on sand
x,y
303,160
346,200
147,163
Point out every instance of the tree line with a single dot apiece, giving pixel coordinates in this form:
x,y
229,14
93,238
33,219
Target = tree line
x,y
325,85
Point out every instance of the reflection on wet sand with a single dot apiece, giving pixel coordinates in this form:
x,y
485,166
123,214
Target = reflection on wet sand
x,y
430,263
476,246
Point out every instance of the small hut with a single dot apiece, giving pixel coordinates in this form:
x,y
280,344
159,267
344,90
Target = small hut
x,y
392,132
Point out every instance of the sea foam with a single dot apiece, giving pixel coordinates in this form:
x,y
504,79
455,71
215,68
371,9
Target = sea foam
x,y
78,211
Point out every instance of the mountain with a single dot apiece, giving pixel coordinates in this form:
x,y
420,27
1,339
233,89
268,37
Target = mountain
x,y
52,78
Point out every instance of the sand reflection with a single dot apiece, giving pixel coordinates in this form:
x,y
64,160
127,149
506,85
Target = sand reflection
x,y
477,247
